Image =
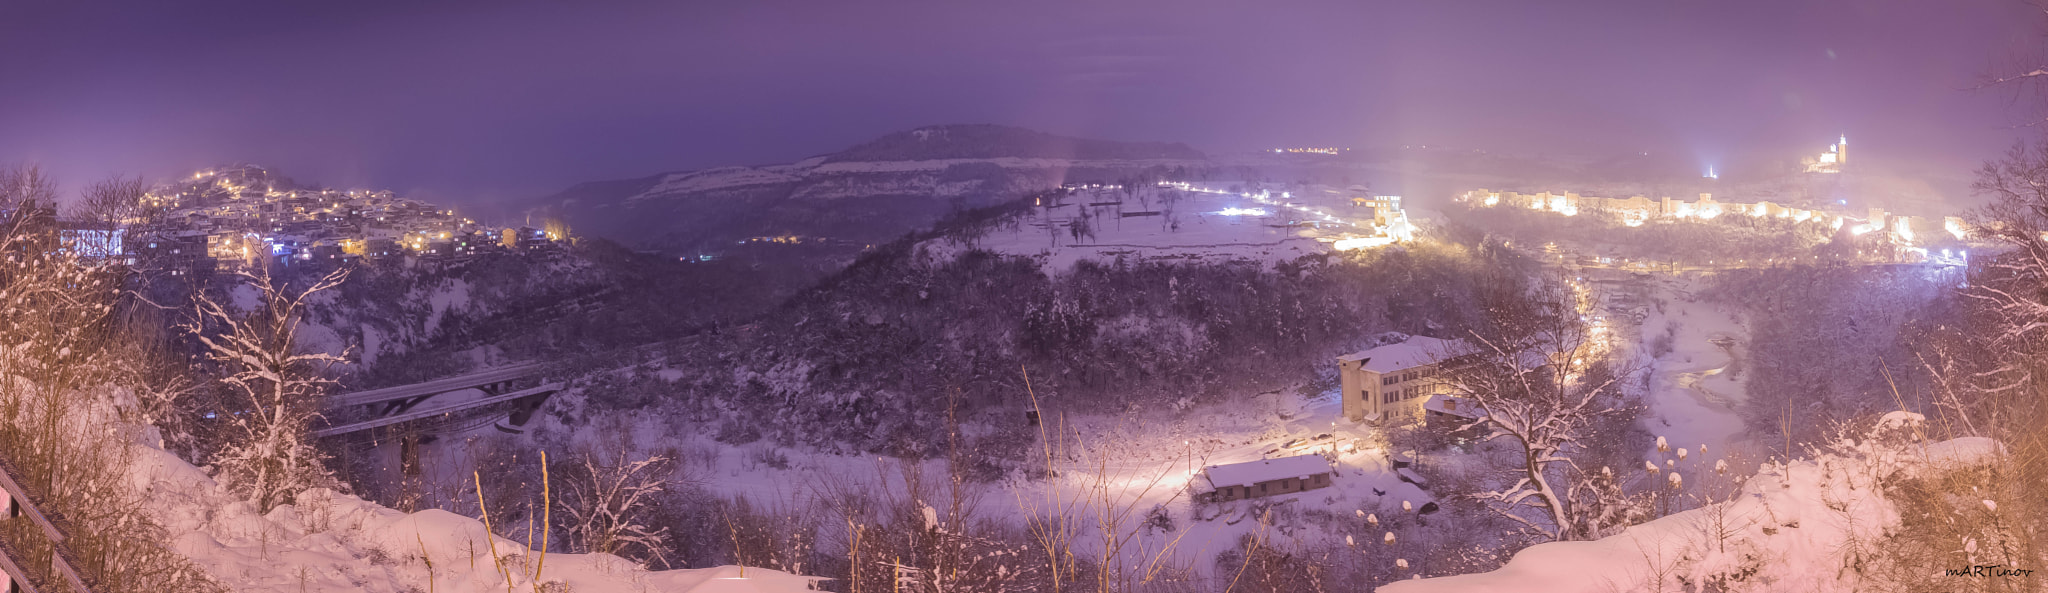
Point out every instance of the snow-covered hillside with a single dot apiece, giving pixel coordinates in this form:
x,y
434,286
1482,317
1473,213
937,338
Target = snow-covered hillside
x,y
332,542
1810,525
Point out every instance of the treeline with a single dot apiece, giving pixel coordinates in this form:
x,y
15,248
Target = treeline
x,y
1830,344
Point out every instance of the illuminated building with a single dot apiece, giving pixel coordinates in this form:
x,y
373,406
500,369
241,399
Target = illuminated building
x,y
1394,379
1830,161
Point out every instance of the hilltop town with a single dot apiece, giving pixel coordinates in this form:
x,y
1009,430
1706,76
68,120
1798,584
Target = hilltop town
x,y
235,216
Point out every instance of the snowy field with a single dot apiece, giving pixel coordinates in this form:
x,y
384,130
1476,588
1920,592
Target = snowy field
x,y
1197,225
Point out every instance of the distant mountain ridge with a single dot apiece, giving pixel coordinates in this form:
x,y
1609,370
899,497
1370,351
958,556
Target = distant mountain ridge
x,y
869,193
985,141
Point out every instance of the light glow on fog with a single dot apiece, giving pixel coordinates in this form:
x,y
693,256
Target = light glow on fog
x,y
1242,212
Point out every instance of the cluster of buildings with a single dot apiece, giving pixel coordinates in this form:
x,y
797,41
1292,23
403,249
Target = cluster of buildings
x,y
1636,210
1830,161
1386,384
242,215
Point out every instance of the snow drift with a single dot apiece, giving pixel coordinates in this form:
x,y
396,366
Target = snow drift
x,y
1792,527
330,541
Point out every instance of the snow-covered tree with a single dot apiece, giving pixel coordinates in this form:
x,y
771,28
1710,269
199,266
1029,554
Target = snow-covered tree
x,y
1545,379
604,501
258,358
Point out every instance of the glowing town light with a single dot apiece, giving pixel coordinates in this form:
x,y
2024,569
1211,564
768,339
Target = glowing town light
x,y
1902,229
1242,212
1954,226
1711,174
1492,199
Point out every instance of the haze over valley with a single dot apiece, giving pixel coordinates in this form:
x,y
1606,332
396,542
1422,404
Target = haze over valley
x,y
1135,298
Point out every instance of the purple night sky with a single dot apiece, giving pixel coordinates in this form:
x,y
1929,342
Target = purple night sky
x,y
478,101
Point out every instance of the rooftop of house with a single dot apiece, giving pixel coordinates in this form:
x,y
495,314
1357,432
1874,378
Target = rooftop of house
x,y
1455,406
1266,470
1407,354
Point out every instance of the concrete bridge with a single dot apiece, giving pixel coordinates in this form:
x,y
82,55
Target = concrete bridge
x,y
520,386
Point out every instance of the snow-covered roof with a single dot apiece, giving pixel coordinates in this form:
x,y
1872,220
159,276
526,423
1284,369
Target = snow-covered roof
x,y
1266,470
1407,354
1455,406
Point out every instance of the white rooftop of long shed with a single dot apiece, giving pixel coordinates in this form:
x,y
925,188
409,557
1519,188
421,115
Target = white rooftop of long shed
x,y
1407,354
1266,470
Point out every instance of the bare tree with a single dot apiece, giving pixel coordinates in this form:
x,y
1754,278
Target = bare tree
x,y
111,200
1544,380
26,185
259,358
604,503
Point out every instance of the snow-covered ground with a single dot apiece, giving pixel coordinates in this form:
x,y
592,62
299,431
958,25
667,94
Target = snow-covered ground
x,y
1202,226
331,542
1794,527
1131,461
1129,452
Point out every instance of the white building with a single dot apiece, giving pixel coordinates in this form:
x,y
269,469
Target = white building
x,y
1265,477
1394,379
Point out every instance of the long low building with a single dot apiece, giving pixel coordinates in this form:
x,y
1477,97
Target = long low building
x,y
1266,477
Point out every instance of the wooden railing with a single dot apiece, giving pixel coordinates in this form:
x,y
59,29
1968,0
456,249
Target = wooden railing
x,y
15,560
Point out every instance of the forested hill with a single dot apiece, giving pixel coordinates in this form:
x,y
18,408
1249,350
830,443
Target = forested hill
x,y
862,361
